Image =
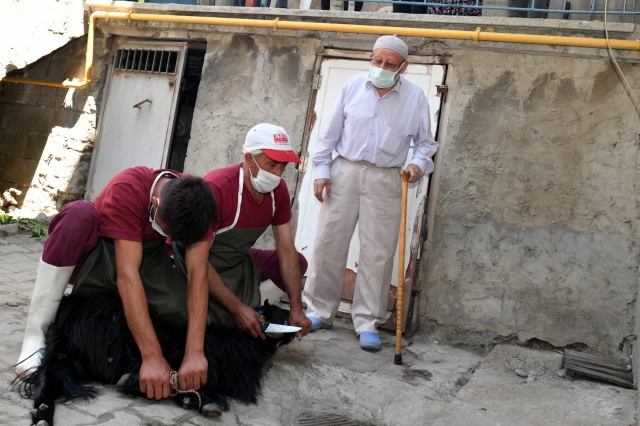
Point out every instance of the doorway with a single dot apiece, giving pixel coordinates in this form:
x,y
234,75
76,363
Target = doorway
x,y
186,105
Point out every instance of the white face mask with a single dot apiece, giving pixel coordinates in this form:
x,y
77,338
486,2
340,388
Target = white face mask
x,y
265,182
381,78
152,219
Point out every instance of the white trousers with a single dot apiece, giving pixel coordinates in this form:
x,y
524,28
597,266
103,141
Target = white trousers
x,y
371,195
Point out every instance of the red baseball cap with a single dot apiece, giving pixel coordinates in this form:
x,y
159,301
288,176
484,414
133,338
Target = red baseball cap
x,y
273,141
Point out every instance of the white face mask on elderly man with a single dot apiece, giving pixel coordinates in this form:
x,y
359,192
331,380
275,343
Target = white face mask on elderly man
x,y
381,78
264,182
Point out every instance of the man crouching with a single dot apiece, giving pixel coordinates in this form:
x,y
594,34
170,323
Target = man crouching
x,y
117,244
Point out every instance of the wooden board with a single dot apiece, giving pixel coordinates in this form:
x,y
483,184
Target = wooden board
x,y
598,368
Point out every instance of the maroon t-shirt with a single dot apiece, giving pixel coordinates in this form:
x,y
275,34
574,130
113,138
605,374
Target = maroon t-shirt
x,y
224,183
123,206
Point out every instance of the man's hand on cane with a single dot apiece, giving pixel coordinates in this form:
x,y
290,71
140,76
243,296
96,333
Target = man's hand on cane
x,y
415,173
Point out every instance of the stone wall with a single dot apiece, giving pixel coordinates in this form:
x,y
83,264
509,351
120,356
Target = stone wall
x,y
46,133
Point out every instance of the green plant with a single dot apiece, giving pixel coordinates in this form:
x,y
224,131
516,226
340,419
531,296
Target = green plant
x,y
37,230
5,218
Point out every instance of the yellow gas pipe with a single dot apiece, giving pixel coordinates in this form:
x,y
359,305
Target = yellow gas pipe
x,y
476,36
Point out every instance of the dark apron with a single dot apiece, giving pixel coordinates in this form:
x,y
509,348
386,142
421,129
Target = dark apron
x,y
165,289
239,271
166,286
229,256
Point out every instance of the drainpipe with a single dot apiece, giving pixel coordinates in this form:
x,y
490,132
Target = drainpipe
x,y
476,36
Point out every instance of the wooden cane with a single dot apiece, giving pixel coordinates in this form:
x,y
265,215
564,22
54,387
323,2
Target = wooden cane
x,y
403,236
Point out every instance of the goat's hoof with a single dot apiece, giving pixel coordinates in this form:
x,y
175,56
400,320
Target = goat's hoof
x,y
211,410
42,416
186,403
129,383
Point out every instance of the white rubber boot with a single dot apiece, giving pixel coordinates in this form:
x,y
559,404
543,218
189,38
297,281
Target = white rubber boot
x,y
51,282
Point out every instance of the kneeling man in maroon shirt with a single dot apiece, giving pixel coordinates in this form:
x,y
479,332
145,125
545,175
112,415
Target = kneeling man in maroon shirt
x,y
253,196
117,244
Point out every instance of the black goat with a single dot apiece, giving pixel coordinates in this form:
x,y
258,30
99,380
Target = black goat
x,y
90,342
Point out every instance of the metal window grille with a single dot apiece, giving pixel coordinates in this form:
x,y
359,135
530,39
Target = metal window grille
x,y
146,60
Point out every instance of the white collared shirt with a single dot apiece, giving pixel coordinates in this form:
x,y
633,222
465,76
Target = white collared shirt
x,y
364,126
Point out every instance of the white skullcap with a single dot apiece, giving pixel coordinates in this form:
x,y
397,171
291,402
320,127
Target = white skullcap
x,y
393,43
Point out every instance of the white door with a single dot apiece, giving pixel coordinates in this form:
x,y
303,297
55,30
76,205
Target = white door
x,y
335,73
138,110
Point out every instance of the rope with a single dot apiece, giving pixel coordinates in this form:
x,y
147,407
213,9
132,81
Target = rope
x,y
175,389
614,62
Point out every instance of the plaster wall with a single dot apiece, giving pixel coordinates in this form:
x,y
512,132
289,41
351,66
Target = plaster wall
x,y
536,219
247,80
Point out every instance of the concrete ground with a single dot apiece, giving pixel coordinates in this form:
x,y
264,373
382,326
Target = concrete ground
x,y
328,380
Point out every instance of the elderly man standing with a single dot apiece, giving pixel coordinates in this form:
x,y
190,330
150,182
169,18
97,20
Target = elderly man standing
x,y
371,127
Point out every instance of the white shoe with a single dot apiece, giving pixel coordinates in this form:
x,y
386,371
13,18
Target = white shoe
x,y
51,282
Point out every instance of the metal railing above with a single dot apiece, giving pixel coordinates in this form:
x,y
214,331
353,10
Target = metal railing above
x,y
628,6
584,10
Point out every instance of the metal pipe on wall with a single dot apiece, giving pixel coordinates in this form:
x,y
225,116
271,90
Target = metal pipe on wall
x,y
476,36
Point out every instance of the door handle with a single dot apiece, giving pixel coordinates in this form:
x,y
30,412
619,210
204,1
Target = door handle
x,y
139,104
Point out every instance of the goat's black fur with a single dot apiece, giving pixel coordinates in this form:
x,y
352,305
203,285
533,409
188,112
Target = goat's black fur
x,y
90,342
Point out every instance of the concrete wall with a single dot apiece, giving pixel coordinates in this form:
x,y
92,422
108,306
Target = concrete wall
x,y
247,80
536,219
29,31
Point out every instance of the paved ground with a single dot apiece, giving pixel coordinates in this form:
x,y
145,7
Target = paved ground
x,y
328,375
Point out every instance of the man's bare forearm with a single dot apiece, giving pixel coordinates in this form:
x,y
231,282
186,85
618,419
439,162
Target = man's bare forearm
x,y
290,272
244,317
136,311
197,295
289,264
291,275
220,292
197,303
154,371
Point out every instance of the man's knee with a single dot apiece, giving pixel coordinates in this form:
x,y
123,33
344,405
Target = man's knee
x,y
78,214
303,263
83,210
72,233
